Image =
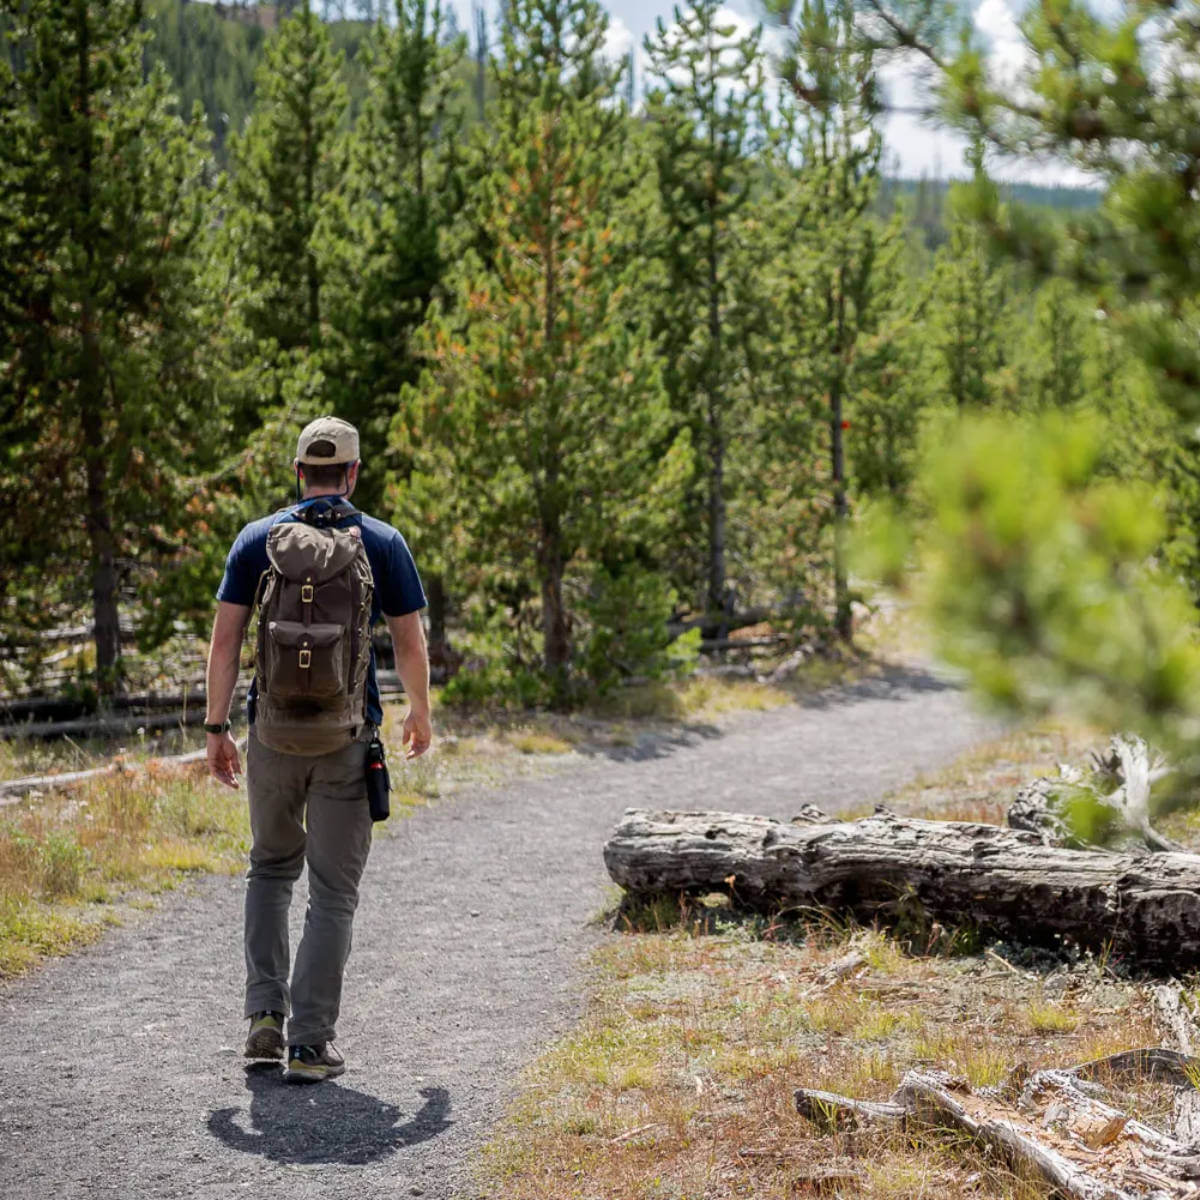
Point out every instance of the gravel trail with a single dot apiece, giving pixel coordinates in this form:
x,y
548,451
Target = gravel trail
x,y
123,1073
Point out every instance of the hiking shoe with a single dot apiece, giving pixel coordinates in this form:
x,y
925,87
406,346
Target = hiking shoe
x,y
265,1039
311,1064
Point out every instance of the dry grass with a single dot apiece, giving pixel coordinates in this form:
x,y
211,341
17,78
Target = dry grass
x,y
64,859
679,1080
981,784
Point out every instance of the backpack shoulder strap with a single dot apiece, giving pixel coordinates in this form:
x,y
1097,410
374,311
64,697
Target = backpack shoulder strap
x,y
323,513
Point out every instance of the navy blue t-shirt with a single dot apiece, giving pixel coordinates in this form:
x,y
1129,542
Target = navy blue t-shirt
x,y
398,589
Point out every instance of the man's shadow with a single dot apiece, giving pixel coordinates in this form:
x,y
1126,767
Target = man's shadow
x,y
326,1122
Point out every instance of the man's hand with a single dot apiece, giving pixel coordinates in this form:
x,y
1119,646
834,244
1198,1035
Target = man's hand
x,y
223,763
418,733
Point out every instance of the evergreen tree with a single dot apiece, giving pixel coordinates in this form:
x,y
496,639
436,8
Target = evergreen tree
x,y
1060,347
210,57
839,290
542,401
969,301
966,319
1114,93
404,192
103,375
889,394
287,171
705,107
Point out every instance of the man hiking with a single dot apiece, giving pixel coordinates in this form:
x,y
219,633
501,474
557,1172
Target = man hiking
x,y
320,574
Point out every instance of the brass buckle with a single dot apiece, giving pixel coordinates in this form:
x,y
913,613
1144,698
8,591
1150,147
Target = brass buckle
x,y
306,593
305,659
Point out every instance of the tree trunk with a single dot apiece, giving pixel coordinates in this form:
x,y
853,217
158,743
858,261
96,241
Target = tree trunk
x,y
717,601
841,591
435,593
98,520
1145,907
98,512
842,624
556,640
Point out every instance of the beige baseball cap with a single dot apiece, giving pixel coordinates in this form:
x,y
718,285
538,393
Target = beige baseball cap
x,y
327,440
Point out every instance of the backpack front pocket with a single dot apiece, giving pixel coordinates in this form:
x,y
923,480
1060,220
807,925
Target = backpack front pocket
x,y
306,661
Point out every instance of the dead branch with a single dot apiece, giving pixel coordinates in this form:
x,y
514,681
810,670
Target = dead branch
x,y
1048,1124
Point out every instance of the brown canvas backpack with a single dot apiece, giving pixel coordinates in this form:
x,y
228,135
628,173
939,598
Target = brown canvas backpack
x,y
314,635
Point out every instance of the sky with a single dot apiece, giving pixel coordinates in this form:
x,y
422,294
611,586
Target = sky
x,y
913,147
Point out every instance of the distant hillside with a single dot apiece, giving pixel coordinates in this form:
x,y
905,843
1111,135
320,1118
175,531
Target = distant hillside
x,y
212,50
925,200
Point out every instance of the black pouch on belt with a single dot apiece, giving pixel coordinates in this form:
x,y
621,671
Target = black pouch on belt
x,y
378,781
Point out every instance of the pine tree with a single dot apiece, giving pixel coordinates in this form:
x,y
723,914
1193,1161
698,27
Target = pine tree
x,y
969,301
542,402
404,192
1114,93
966,318
1060,346
889,391
287,172
840,291
706,111
103,375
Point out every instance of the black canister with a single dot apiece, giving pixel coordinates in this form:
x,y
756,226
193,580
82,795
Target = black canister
x,y
378,782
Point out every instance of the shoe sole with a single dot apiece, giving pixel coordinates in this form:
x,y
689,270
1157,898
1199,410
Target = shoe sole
x,y
312,1074
264,1043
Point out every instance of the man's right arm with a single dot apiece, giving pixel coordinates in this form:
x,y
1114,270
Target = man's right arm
x,y
224,651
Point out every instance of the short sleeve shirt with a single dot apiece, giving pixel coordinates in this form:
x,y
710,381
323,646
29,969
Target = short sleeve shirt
x,y
398,589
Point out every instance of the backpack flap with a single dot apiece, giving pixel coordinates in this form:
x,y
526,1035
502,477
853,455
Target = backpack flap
x,y
304,554
307,662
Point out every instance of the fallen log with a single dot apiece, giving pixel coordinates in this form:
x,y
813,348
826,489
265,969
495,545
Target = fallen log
x,y
1139,905
1047,1124
13,790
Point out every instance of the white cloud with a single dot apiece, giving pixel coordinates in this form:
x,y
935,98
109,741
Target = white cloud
x,y
1008,56
618,41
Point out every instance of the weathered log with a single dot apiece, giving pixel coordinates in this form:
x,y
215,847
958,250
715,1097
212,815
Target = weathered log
x,y
1046,1124
1144,906
1175,1017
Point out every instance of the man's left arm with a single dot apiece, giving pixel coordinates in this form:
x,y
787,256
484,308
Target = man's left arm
x,y
412,665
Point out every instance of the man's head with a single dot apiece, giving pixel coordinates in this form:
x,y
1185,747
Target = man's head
x,y
327,457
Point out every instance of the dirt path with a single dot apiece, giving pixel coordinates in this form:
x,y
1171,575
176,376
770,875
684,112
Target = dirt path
x,y
122,1070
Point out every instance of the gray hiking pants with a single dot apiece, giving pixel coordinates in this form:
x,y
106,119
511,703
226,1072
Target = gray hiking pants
x,y
327,794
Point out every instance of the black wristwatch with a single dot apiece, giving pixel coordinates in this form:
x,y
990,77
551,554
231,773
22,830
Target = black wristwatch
x,y
223,727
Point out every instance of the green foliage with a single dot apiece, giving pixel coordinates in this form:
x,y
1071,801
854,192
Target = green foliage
x,y
1038,577
213,53
626,635
542,402
839,272
967,318
1113,93
705,104
287,172
611,369
104,227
